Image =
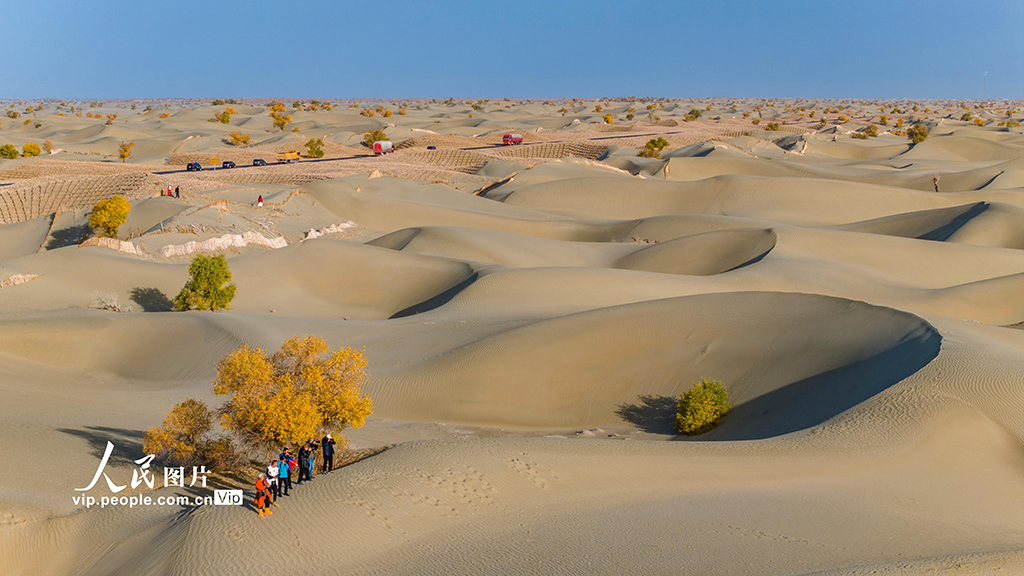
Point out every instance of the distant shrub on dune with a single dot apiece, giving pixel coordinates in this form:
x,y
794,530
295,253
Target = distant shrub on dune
x,y
280,119
239,138
1012,124
13,114
374,136
367,112
124,150
899,122
859,136
607,118
773,126
276,107
386,114
917,133
315,148
701,409
871,130
108,215
209,285
230,110
217,103
8,151
165,115
111,118
31,149
401,111
630,116
755,121
48,146
692,115
653,148
979,121
967,117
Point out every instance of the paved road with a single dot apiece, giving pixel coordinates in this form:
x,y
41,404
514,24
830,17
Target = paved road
x,y
340,158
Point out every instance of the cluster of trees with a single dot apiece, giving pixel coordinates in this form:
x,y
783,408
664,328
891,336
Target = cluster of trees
x,y
239,138
273,399
315,148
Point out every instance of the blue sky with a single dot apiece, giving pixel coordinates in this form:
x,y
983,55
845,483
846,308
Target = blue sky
x,y
517,48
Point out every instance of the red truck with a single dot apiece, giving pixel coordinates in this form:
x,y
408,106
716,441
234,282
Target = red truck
x,y
512,139
383,147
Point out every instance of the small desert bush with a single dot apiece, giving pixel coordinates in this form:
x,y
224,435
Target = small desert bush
x,y
871,130
967,117
315,148
692,115
979,121
630,116
917,133
702,408
124,150
607,118
755,121
367,112
653,148
230,110
773,126
386,114
209,285
899,122
374,136
239,138
48,146
8,151
109,215
859,136
31,149
281,120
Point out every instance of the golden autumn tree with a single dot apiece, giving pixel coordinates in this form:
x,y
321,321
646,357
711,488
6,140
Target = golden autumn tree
x,y
183,430
108,215
301,391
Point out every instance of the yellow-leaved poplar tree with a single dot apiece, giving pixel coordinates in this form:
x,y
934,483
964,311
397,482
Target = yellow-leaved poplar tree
x,y
299,392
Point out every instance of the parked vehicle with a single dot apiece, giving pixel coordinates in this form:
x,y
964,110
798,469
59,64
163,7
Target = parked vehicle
x,y
259,162
381,147
193,167
288,156
227,164
431,147
512,139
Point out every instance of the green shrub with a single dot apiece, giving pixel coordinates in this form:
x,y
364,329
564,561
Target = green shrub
x,y
702,408
692,115
31,149
917,133
967,117
755,121
315,148
773,126
8,151
109,215
653,148
374,136
208,287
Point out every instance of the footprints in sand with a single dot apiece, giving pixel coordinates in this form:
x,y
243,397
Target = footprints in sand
x,y
235,533
12,520
372,509
469,487
532,472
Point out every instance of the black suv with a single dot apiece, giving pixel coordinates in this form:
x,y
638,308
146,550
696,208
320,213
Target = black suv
x,y
193,167
259,162
227,164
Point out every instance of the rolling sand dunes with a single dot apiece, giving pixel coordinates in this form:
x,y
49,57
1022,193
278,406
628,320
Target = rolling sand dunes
x,y
530,315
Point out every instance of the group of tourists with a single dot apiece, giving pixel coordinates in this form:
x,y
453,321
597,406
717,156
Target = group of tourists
x,y
276,482
175,194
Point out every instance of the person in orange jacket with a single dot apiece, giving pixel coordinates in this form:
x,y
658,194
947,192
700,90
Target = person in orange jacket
x,y
262,495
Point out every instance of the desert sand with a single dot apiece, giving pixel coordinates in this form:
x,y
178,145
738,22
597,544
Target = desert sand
x,y
530,315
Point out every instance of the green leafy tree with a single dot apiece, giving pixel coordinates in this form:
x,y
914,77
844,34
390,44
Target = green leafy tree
x,y
315,148
702,408
917,133
209,286
108,215
31,149
653,148
374,136
692,115
8,151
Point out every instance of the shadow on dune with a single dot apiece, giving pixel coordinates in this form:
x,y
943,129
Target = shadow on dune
x,y
69,236
652,414
802,404
127,443
438,300
151,300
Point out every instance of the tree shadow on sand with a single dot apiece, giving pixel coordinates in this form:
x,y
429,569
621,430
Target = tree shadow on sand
x,y
151,300
127,443
652,414
70,236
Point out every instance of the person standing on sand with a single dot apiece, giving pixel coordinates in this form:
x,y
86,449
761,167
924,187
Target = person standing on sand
x,y
273,483
259,203
328,450
304,453
283,475
313,445
168,190
177,192
261,496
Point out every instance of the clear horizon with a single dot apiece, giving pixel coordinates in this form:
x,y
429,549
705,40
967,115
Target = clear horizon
x,y
802,49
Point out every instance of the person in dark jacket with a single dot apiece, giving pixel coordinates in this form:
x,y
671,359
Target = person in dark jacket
x,y
304,454
284,474
327,445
